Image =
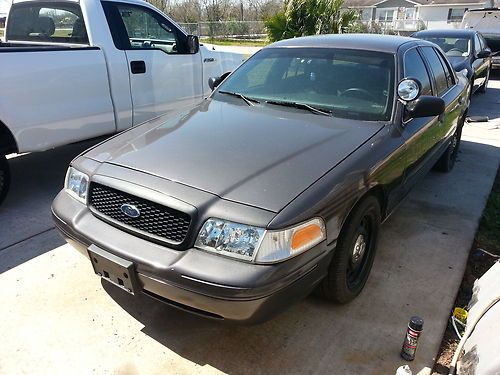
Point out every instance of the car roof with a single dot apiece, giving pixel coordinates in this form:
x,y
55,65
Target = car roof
x,y
452,33
369,42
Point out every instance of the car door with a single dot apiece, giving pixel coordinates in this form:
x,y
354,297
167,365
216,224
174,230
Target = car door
x,y
444,81
163,74
479,65
418,133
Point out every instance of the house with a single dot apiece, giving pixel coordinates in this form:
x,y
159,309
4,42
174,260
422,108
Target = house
x,y
4,9
412,15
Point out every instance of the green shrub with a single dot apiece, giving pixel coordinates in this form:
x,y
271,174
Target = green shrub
x,y
309,17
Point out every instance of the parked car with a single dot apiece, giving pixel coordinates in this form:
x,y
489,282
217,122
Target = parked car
x,y
486,21
72,70
465,49
276,184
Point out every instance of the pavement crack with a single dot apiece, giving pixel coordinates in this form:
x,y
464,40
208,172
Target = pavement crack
x,y
27,238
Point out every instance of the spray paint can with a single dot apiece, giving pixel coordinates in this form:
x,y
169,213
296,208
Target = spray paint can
x,y
411,338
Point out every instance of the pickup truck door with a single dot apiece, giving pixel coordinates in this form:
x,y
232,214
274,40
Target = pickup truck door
x,y
163,75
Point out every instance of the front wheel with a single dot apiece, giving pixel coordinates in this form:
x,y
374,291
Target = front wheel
x,y
4,178
354,254
448,159
484,87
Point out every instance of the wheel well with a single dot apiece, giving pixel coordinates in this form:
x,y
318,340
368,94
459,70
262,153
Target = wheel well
x,y
377,192
8,143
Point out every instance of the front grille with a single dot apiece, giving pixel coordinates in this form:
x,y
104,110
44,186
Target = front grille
x,y
163,223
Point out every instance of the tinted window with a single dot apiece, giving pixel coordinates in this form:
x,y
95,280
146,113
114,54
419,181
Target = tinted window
x,y
145,29
450,77
351,83
437,69
47,22
452,46
415,67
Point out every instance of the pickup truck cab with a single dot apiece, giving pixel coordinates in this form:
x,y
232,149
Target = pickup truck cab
x,y
487,22
74,70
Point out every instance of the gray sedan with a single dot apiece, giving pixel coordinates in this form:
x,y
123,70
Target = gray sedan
x,y
274,186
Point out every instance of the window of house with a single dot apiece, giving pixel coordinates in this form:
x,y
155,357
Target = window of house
x,y
385,15
455,15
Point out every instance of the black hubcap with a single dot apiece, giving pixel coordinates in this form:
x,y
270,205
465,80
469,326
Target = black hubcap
x,y
360,252
454,147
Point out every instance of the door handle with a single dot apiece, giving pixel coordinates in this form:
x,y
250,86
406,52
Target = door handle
x,y
138,67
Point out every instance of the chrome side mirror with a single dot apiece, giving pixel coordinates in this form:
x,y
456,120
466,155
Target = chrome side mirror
x,y
409,89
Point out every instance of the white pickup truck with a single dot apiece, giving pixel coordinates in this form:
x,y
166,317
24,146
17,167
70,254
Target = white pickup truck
x,y
73,70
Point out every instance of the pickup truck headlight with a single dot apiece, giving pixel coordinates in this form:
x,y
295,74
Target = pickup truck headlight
x,y
77,184
257,244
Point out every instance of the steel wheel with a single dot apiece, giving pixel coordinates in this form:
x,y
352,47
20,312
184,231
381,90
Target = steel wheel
x,y
353,257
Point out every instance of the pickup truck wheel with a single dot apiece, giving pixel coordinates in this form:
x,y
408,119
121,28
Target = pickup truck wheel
x,y
484,87
4,178
447,160
354,254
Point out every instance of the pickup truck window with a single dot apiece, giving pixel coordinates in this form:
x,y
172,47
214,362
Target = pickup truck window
x,y
146,30
438,70
415,67
47,22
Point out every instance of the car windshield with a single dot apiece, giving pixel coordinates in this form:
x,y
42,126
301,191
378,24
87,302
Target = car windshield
x,y
453,47
348,83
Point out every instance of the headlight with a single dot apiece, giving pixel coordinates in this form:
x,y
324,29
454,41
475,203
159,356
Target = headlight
x,y
77,184
257,244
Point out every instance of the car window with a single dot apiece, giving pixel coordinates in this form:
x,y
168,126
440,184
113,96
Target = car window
x,y
351,83
477,45
450,76
145,29
454,47
415,68
437,69
47,22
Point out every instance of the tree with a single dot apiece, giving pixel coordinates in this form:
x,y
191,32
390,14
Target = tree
x,y
309,17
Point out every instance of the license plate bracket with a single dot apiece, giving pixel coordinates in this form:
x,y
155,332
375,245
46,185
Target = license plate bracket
x,y
114,269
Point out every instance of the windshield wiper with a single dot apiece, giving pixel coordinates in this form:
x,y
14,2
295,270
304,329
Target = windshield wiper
x,y
319,111
247,100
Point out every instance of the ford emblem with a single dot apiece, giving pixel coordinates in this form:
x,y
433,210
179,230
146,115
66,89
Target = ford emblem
x,y
130,210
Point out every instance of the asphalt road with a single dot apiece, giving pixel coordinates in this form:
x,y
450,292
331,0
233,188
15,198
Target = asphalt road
x,y
58,318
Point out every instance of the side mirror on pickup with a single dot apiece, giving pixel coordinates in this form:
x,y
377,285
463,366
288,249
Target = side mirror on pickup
x,y
484,53
193,44
425,106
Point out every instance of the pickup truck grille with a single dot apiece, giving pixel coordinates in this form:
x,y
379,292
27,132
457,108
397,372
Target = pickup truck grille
x,y
155,221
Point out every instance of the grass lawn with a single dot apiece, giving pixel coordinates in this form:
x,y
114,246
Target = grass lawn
x,y
235,42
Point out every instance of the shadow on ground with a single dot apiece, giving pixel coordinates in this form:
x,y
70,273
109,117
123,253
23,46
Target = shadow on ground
x,y
36,179
410,276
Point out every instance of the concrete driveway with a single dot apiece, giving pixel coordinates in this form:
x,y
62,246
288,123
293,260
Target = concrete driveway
x,y
58,318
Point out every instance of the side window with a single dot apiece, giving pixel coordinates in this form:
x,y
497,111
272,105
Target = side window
x,y
477,45
145,29
47,22
415,67
437,69
450,77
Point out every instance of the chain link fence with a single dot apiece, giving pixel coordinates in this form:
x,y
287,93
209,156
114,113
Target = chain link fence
x,y
227,29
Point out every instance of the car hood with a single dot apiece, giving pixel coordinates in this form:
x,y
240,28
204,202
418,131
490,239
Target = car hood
x,y
262,155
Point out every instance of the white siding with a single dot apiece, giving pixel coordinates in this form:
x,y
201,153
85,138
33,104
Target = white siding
x,y
436,17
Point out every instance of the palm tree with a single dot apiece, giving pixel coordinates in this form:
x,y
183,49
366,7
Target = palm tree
x,y
309,17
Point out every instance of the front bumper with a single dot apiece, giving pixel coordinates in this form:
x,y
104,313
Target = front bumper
x,y
193,280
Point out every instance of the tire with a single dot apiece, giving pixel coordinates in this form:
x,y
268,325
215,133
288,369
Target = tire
x,y
354,254
4,178
447,161
484,87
